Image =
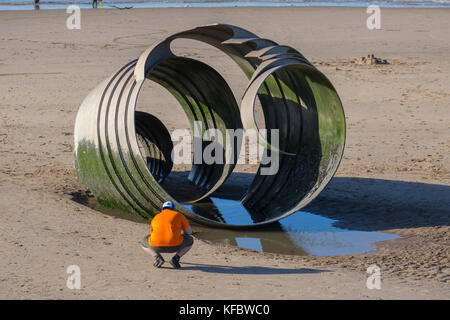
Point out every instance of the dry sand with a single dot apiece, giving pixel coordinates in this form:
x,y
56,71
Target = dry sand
x,y
394,176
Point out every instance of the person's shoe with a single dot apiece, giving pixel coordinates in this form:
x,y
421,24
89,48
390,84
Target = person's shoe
x,y
175,262
159,260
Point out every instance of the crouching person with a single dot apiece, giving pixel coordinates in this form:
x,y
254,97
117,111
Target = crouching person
x,y
169,232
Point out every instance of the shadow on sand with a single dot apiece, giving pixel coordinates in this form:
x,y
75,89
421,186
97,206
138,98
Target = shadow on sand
x,y
367,204
245,270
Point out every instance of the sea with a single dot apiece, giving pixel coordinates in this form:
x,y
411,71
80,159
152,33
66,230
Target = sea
x,y
122,4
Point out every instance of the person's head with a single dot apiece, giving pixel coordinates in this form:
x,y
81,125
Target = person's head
x,y
168,205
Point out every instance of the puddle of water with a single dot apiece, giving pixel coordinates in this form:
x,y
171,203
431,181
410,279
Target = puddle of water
x,y
302,233
317,236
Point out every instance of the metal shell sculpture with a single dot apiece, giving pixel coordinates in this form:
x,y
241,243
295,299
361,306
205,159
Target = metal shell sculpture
x,y
123,155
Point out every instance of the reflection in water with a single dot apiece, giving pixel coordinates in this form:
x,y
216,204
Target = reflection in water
x,y
249,243
318,237
231,211
302,233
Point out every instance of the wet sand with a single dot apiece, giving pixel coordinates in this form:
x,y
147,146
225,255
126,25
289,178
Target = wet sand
x,y
394,176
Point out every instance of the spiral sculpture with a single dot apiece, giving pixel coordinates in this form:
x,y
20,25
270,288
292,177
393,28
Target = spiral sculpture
x,y
123,155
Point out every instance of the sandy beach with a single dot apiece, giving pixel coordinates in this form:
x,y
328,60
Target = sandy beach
x,y
394,176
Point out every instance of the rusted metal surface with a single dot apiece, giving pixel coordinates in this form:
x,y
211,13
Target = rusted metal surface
x,y
123,155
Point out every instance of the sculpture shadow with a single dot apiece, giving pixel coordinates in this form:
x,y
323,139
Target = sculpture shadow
x,y
368,204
